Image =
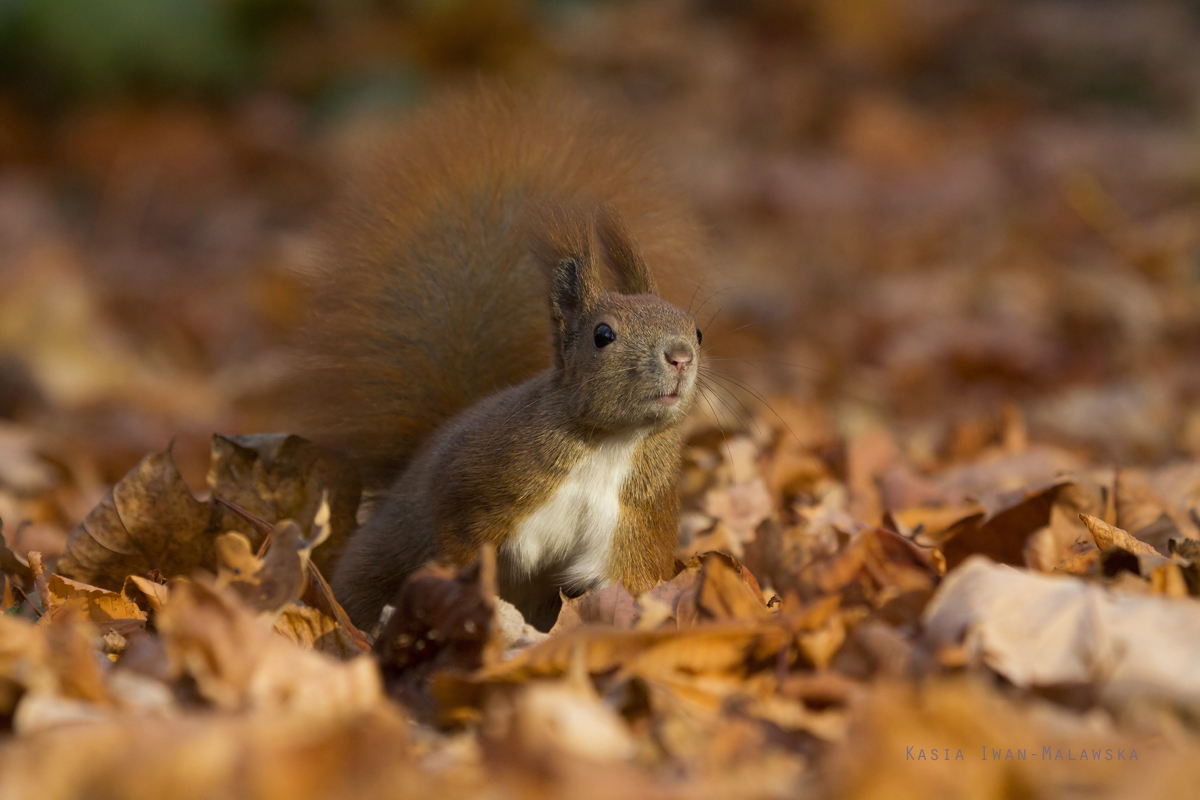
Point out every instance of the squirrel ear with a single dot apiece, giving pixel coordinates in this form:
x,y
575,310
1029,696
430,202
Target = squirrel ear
x,y
575,291
623,253
564,241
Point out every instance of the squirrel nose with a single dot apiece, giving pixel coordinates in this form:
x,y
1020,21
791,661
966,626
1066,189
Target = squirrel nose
x,y
679,356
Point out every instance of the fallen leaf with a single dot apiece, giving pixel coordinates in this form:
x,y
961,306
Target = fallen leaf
x,y
238,662
1039,630
723,591
149,521
10,562
612,605
70,655
153,594
513,632
869,456
266,584
1003,530
878,563
984,746
442,622
279,477
22,467
1136,502
1107,536
1185,548
94,604
741,507
318,595
553,719
309,628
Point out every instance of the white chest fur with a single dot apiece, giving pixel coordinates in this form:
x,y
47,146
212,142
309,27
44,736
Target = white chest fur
x,y
575,526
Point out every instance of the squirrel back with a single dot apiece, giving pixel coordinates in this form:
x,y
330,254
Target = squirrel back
x,y
429,299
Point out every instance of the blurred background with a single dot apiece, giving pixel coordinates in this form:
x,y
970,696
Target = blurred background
x,y
937,215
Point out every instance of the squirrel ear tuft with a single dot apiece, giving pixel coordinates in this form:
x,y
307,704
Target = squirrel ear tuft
x,y
623,253
574,292
564,241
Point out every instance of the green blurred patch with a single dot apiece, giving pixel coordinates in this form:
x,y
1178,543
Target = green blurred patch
x,y
96,45
384,90
341,52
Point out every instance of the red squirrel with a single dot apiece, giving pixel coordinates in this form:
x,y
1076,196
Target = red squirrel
x,y
464,346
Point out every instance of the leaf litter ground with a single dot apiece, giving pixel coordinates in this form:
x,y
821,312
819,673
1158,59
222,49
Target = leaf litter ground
x,y
191,647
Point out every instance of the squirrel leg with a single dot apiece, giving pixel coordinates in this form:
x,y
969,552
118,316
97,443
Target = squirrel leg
x,y
395,542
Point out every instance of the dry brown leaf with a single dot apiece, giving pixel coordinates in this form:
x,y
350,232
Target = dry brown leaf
x,y
729,648
309,628
153,594
723,591
964,739
1107,536
24,662
1081,558
511,629
1003,530
711,587
612,605
1185,548
149,521
277,477
1040,630
881,564
740,507
819,645
94,604
794,470
249,756
22,467
685,583
69,653
1046,547
10,562
318,595
266,584
443,622
235,558
721,539
829,725
1136,502
708,648
931,522
239,663
868,457
551,719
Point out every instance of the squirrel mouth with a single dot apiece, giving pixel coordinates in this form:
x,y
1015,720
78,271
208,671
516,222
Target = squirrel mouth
x,y
669,399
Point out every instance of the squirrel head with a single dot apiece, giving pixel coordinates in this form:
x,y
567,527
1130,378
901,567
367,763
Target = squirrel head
x,y
627,359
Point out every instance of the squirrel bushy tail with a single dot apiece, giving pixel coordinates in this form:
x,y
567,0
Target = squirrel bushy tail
x,y
427,299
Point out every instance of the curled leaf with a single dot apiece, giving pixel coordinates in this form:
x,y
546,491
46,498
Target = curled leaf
x,y
149,521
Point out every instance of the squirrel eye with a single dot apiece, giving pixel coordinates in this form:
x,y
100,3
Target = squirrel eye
x,y
604,336
699,336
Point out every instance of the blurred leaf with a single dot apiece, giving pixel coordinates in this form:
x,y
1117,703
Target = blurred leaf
x,y
443,622
96,605
149,521
311,629
239,662
10,562
279,476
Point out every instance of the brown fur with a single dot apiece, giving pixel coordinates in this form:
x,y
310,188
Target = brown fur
x,y
436,298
